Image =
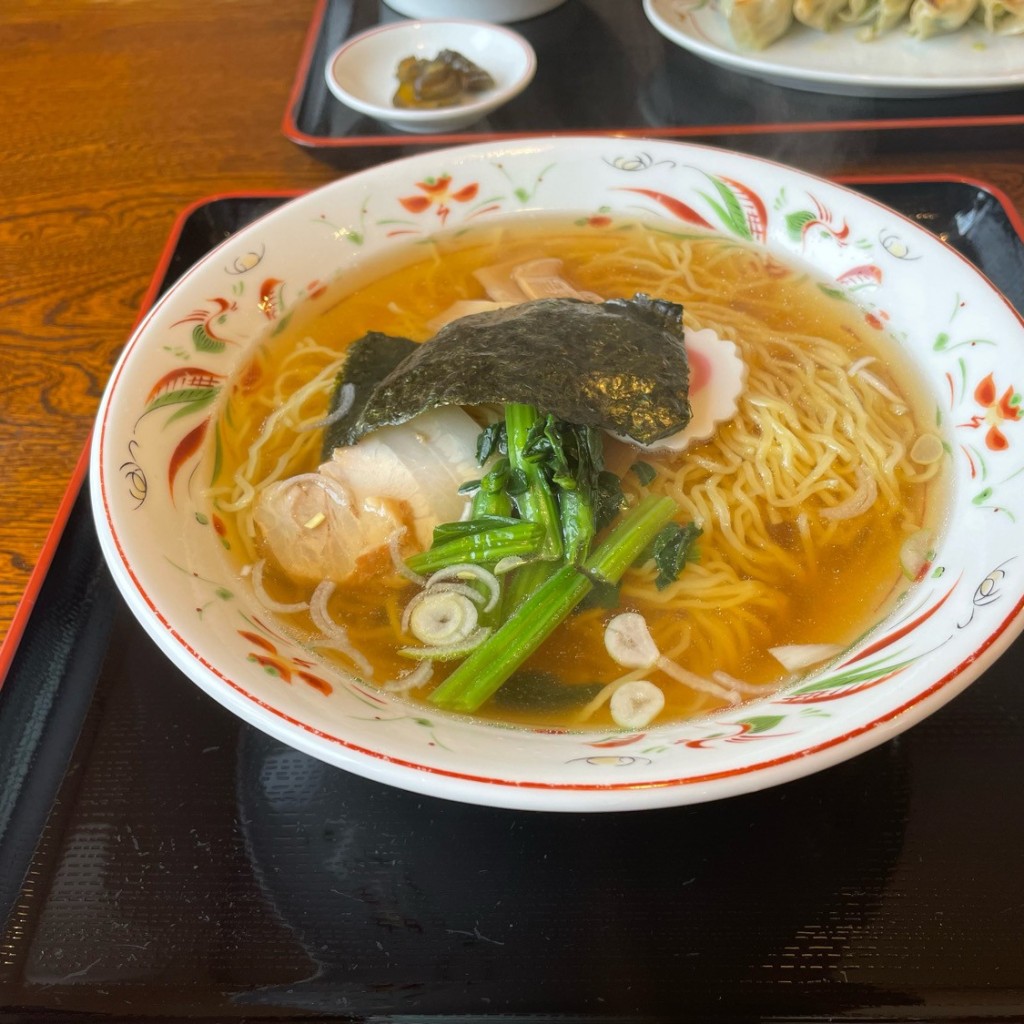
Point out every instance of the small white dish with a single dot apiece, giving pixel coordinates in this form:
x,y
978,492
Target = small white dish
x,y
361,72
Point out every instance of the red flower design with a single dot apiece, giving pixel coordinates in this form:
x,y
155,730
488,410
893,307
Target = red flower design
x,y
280,666
270,298
438,194
619,741
998,408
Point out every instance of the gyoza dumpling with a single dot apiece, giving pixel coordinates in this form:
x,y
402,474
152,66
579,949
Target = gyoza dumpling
x,y
1004,17
877,16
757,23
937,17
819,14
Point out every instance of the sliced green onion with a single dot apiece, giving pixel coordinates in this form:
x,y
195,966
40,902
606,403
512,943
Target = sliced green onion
x,y
467,572
449,652
442,617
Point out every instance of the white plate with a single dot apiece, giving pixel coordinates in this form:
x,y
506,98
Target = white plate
x,y
897,65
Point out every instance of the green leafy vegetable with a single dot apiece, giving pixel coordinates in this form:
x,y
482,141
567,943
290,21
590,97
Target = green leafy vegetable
x,y
673,548
604,595
609,499
644,472
542,692
369,361
497,658
452,531
493,440
490,545
490,494
531,493
573,459
536,501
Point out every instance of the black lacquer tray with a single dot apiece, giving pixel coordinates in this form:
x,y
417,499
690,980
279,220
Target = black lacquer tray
x,y
602,67
160,860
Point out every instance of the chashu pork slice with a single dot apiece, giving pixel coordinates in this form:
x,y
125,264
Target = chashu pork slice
x,y
317,525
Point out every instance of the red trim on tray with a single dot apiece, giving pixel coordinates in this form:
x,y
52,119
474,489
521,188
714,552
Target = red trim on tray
x,y
290,128
22,613
302,70
295,134
1012,214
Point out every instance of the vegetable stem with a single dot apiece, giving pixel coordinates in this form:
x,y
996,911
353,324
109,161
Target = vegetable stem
x,y
541,612
537,502
628,538
521,539
494,661
578,527
491,498
526,580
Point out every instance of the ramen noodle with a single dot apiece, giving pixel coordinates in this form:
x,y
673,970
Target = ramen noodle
x,y
817,499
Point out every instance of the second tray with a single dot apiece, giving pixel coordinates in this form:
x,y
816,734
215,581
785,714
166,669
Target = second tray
x,y
602,67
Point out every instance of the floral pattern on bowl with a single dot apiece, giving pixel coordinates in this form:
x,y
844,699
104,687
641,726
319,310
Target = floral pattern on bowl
x,y
166,552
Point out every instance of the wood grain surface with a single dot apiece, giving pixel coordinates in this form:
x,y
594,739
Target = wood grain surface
x,y
116,115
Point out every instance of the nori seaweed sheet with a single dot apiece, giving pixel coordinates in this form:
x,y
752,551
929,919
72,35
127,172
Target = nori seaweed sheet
x,y
619,365
369,361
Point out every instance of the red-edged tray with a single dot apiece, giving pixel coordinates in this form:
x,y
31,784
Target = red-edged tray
x,y
603,68
159,859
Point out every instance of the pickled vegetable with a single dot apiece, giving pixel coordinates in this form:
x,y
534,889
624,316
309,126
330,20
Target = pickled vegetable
x,y
444,81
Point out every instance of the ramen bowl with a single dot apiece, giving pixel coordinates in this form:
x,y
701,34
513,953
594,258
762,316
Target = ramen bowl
x,y
157,429
361,72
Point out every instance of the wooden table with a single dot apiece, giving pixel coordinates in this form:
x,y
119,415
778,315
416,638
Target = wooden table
x,y
116,115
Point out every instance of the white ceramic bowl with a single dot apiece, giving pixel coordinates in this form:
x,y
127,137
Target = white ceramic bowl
x,y
361,72
166,555
501,11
